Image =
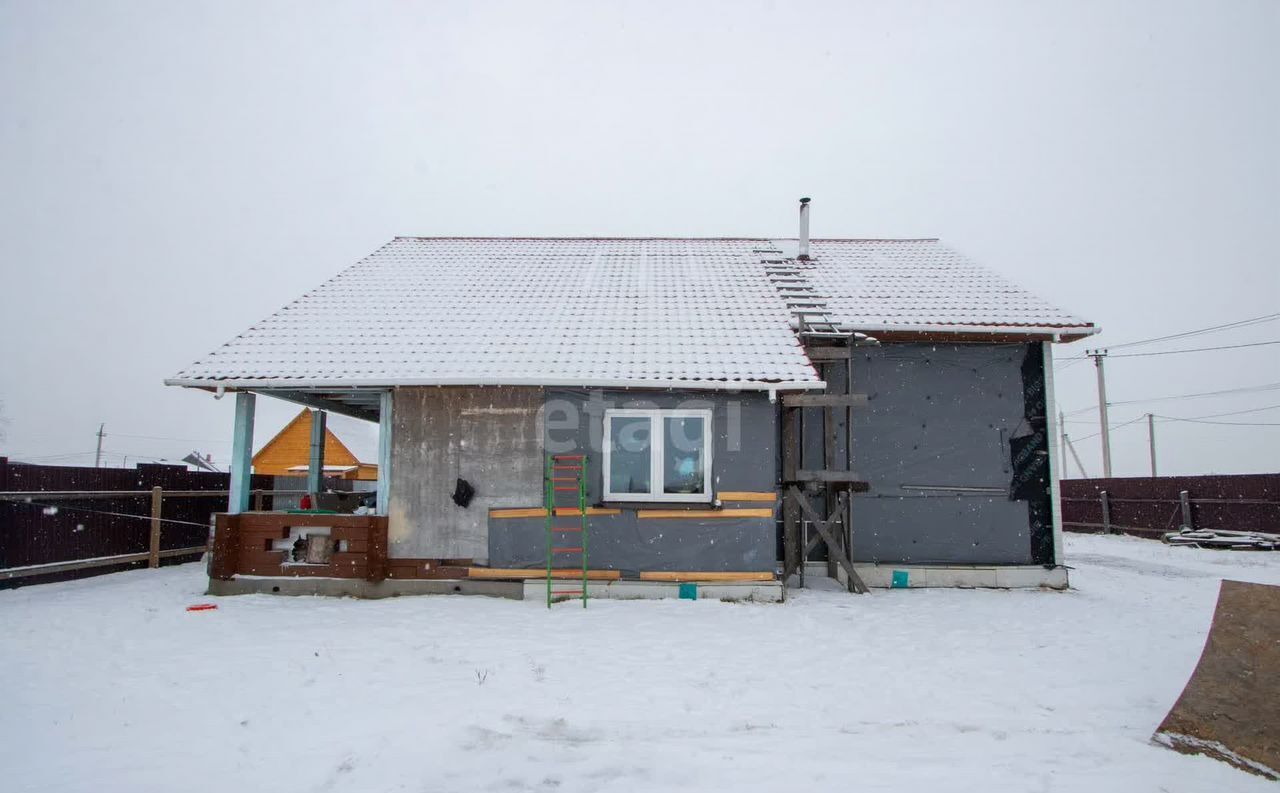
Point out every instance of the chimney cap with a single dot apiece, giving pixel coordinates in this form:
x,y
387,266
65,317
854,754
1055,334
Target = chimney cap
x,y
805,200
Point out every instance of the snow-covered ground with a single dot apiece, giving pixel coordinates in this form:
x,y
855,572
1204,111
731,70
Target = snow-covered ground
x,y
110,684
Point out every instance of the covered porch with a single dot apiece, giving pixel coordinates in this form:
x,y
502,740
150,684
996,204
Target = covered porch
x,y
311,543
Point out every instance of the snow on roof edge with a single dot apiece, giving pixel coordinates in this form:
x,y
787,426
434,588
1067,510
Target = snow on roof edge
x,y
1087,329
283,384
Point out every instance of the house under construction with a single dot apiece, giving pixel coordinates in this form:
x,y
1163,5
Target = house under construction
x,y
571,418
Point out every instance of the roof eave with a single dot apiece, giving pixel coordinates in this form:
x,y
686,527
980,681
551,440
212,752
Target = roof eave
x,y
1055,333
265,384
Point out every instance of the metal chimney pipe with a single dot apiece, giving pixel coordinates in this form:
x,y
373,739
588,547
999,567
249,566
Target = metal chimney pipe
x,y
804,229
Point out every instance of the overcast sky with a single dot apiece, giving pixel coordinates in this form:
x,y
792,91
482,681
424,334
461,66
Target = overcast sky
x,y
172,172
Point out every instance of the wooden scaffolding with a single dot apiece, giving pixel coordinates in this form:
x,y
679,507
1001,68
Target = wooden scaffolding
x,y
817,503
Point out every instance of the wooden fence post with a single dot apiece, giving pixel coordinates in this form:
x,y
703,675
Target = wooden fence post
x,y
1106,512
1184,496
157,503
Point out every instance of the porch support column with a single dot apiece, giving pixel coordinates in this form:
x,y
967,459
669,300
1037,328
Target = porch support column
x,y
315,464
242,454
384,451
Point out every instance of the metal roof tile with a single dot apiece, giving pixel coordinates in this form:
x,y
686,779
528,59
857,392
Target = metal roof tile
x,y
591,311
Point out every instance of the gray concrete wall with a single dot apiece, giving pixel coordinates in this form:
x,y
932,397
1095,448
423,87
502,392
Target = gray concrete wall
x,y
489,436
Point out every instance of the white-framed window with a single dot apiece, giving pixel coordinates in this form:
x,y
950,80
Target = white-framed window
x,y
657,455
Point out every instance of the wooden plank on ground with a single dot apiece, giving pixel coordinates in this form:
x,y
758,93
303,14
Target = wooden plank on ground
x,y
658,575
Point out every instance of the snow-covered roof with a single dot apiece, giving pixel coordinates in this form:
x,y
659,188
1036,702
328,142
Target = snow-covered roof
x,y
922,285
689,313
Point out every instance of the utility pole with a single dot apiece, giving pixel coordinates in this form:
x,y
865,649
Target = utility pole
x,y
97,456
1097,356
1151,440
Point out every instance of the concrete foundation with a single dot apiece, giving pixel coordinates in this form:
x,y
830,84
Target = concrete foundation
x,y
753,591
881,576
532,589
359,588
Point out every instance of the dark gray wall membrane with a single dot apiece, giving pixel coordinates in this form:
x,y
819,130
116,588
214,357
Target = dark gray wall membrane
x,y
743,424
743,458
631,545
937,444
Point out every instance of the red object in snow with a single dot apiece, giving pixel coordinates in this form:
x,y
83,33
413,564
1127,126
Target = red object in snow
x,y
305,501
202,607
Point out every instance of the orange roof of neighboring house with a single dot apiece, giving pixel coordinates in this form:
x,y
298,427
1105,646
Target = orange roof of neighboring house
x,y
289,453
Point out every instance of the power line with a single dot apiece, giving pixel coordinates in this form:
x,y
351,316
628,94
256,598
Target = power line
x,y
1212,329
1233,413
1222,423
167,438
20,458
1080,358
61,508
1246,390
1194,418
1113,428
1195,349
1244,323
1256,389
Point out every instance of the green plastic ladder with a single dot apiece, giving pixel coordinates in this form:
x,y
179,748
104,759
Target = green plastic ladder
x,y
566,479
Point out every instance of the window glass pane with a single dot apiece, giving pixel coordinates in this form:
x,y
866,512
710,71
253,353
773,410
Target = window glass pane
x,y
685,458
630,453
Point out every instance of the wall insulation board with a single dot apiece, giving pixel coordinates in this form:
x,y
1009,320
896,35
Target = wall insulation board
x,y
743,460
954,446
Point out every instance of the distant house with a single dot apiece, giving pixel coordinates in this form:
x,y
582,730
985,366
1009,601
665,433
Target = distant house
x,y
288,453
736,409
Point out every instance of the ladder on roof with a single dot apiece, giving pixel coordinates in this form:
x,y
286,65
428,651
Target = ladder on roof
x,y
566,498
809,309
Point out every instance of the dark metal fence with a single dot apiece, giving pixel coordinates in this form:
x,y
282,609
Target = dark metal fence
x,y
59,515
1150,506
